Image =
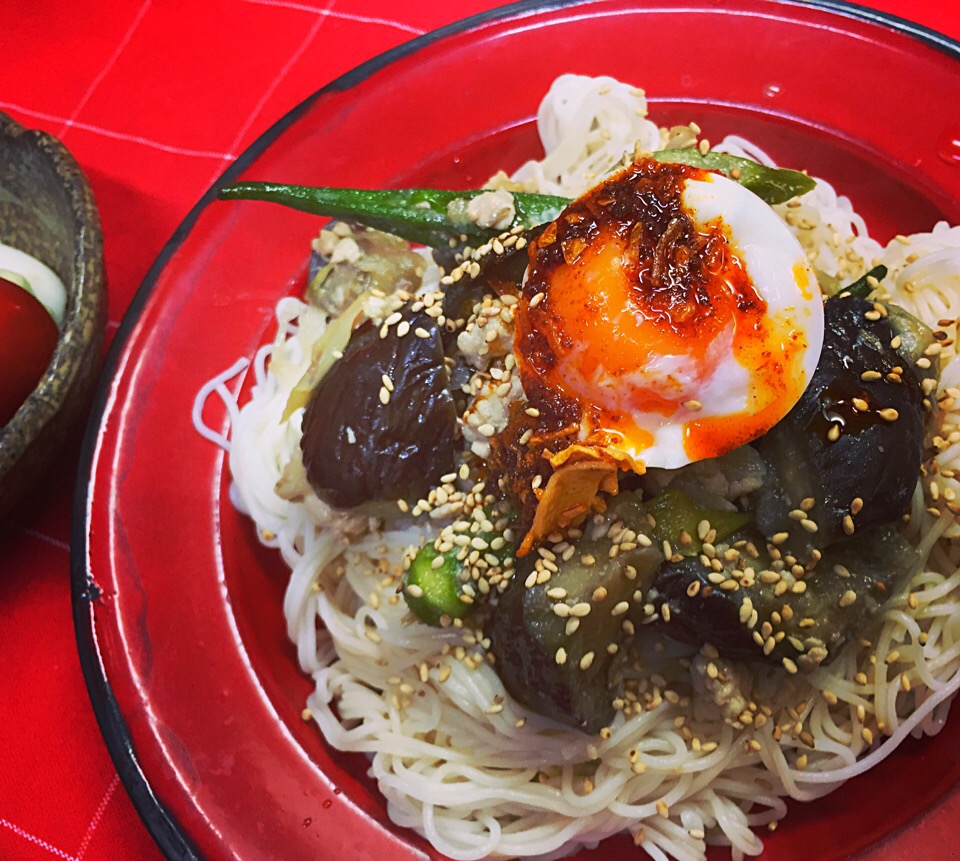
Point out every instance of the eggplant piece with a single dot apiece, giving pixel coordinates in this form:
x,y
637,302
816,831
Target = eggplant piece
x,y
554,641
775,620
359,449
857,433
677,518
715,482
373,260
916,337
494,273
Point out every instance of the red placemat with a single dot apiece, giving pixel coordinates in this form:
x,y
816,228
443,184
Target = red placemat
x,y
154,98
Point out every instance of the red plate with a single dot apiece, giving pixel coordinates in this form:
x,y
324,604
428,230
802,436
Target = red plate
x,y
178,609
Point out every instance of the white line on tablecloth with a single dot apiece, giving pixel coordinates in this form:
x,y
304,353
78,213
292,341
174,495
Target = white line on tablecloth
x,y
103,72
36,841
271,88
97,816
123,136
347,16
40,536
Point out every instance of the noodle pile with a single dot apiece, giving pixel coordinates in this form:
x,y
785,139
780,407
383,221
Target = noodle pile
x,y
458,760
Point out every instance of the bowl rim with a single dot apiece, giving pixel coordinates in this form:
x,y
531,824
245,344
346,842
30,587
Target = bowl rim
x,y
169,835
86,284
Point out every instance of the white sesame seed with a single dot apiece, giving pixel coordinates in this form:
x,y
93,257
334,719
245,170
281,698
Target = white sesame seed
x,y
847,598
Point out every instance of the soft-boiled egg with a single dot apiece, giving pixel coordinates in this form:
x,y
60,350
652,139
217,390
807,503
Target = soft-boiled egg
x,y
669,312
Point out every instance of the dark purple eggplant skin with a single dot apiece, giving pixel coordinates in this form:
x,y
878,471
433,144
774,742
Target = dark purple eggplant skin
x,y
358,450
525,632
875,563
874,459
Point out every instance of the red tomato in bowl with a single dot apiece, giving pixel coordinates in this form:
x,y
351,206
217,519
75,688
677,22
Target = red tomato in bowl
x,y
27,338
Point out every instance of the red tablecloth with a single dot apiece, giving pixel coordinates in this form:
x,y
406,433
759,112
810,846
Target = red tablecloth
x,y
154,98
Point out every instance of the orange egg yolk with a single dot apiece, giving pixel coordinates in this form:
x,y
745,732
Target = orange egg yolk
x,y
630,309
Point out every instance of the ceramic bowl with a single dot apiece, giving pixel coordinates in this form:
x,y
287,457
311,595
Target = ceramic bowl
x,y
47,210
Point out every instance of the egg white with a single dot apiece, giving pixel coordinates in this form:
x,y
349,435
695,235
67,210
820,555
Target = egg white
x,y
782,277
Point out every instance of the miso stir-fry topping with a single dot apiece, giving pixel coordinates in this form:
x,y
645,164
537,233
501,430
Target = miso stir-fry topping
x,y
620,495
423,410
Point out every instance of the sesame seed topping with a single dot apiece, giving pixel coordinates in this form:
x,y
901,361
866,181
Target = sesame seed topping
x,y
847,598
